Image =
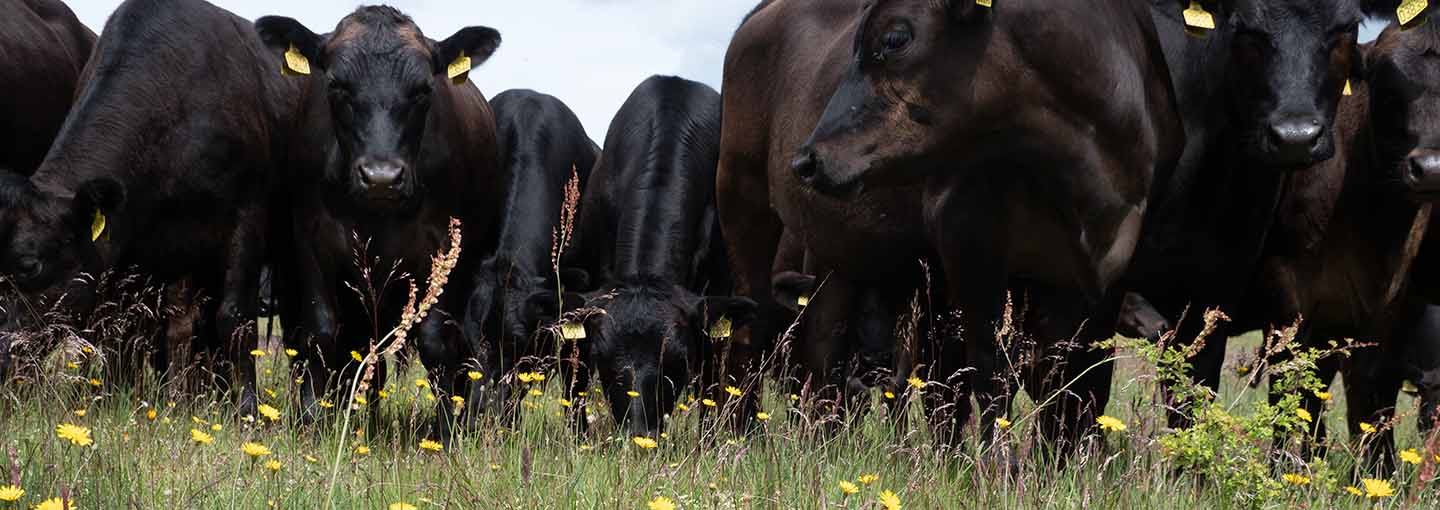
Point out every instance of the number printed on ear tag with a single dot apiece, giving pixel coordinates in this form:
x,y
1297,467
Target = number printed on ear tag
x,y
572,330
1197,17
295,63
985,3
458,68
722,328
1409,10
97,226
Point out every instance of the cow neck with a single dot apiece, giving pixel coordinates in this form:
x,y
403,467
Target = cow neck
x,y
534,200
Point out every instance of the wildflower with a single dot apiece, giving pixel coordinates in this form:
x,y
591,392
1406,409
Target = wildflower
x,y
1323,395
355,355
1296,479
292,352
563,402
200,437
762,416
11,492
87,350
1002,423
474,375
273,465
889,395
422,383
458,400
311,458
257,353
325,404
1367,428
362,450
848,488
431,445
661,503
682,407
1110,423
216,427
1410,456
56,504
80,413
402,506
360,399
585,447
889,500
299,380
1353,491
633,394
151,414
868,478
1242,369
494,467
529,377
1377,488
95,382
535,392
269,391
915,382
384,394
80,436
1304,414
794,397
733,391
269,413
644,442
255,449
708,402
197,420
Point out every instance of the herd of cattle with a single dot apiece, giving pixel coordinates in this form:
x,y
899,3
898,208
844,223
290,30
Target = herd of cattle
x,y
1054,171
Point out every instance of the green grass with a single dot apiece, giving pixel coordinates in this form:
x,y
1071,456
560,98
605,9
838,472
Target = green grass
x,y
143,463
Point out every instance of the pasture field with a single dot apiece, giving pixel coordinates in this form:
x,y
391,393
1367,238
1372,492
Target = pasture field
x,y
149,450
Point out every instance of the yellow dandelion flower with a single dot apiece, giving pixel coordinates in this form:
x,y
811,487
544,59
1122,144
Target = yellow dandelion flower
x,y
56,504
563,402
151,414
292,352
915,382
269,413
585,447
1377,488
494,467
270,392
644,442
535,392
708,402
682,407
95,382
794,397
384,394
733,391
1110,423
11,492
633,394
80,413
360,399
848,488
362,450
355,355
311,458
1353,491
1242,369
889,500
431,445
87,350
1323,395
1304,414
422,383
402,506
1002,423
474,375
661,503
216,427
75,434
197,420
889,395
762,416
458,400
273,465
200,437
1296,479
1411,456
255,450
1367,428
72,365
325,404
257,353
299,380
868,478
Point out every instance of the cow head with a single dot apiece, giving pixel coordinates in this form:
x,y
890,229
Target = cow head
x,y
652,340
378,74
1287,65
1403,76
47,243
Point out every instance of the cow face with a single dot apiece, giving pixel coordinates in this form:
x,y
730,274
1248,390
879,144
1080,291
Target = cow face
x,y
651,341
1403,68
378,74
1288,62
47,244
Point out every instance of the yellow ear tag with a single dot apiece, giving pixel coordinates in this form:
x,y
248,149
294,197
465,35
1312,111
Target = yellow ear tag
x,y
1409,10
722,328
985,3
457,70
572,330
1347,90
1409,387
803,300
295,63
1196,17
97,226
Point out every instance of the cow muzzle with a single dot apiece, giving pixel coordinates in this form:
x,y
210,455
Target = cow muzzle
x,y
1422,171
1296,141
811,170
381,177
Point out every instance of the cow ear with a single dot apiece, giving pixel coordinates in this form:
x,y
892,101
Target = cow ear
x,y
102,194
13,187
467,49
716,311
544,306
281,34
966,11
792,290
575,278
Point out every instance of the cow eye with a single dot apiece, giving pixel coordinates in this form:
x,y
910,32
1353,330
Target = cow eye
x,y
897,38
29,268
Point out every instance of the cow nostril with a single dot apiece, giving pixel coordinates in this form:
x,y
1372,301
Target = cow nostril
x,y
1417,170
805,164
1296,133
382,174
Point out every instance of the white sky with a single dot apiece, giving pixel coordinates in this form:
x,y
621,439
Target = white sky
x,y
589,53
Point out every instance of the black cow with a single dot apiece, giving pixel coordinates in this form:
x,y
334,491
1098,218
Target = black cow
x,y
933,129
175,140
1258,96
649,240
394,143
543,147
43,49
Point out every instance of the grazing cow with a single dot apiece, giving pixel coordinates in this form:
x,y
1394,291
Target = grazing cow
x,y
43,49
164,164
650,242
888,131
394,142
1258,95
543,147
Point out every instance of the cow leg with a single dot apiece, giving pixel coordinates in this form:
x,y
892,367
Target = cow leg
x,y
575,375
1072,379
314,333
1372,384
975,289
824,335
1325,369
1206,364
441,353
239,298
